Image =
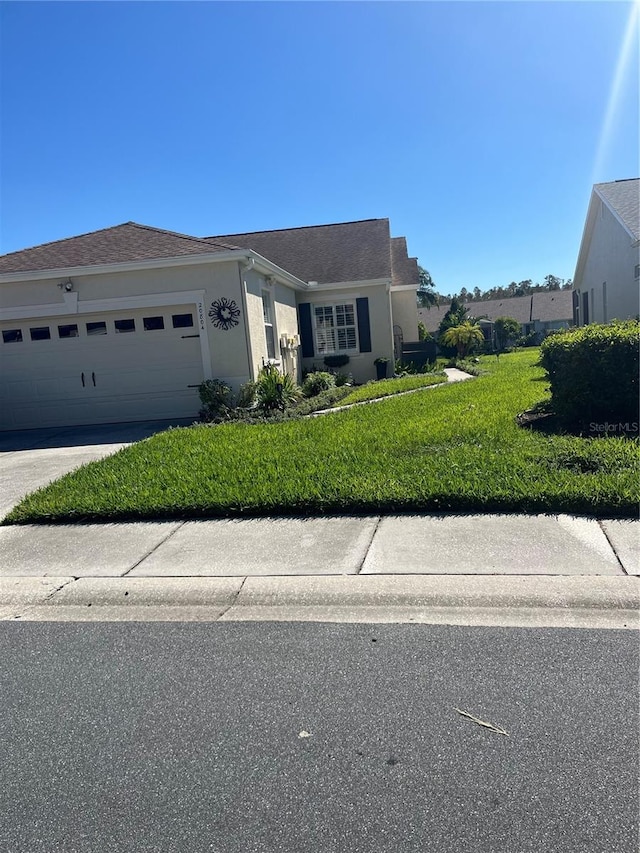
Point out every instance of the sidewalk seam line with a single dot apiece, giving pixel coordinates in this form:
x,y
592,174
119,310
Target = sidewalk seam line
x,y
613,548
234,602
155,548
56,591
373,536
16,617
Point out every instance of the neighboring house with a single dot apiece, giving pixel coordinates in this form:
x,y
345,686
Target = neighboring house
x,y
606,284
124,323
538,312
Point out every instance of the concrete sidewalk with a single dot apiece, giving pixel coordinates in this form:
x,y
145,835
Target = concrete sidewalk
x,y
475,569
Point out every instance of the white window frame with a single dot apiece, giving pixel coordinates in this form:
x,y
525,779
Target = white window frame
x,y
333,306
269,319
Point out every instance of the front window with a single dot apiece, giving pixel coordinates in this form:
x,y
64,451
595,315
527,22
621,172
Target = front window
x,y
335,328
267,313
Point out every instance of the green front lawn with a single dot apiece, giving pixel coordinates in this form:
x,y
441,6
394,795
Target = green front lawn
x,y
456,448
387,387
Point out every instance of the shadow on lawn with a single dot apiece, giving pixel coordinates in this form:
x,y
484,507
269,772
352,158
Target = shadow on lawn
x,y
541,418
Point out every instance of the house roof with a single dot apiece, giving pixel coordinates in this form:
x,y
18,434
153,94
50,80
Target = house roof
x,y
543,305
518,307
432,317
119,244
343,251
404,270
549,305
623,197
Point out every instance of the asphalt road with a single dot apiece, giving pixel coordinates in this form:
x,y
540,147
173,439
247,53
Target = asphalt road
x,y
286,737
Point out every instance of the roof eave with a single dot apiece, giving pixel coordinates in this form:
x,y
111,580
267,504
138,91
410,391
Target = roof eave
x,y
266,266
232,255
615,214
586,236
343,285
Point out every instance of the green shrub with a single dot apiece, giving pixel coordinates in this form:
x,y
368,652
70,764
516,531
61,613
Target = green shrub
x,y
343,379
216,399
506,329
337,360
246,397
275,391
317,382
593,372
530,340
323,400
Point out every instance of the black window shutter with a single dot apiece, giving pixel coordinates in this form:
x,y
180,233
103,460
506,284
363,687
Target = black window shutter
x,y
364,328
306,330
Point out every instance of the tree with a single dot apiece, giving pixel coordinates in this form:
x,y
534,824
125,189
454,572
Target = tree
x,y
427,295
463,337
423,334
455,316
552,282
506,329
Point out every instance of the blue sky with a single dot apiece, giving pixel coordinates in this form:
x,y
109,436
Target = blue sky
x,y
478,128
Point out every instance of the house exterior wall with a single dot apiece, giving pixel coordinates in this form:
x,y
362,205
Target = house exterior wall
x,y
227,348
285,322
404,307
361,364
610,261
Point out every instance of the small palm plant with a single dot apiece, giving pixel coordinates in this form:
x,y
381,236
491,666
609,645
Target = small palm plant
x,y
275,391
463,337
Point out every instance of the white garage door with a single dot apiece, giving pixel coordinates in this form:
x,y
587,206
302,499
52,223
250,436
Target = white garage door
x,y
103,368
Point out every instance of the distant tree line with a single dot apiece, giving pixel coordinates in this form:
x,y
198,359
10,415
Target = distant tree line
x,y
428,295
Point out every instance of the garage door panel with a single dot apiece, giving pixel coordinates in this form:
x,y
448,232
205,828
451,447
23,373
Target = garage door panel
x,y
145,381
136,375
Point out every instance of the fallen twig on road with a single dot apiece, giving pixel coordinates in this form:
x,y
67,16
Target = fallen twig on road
x,y
482,723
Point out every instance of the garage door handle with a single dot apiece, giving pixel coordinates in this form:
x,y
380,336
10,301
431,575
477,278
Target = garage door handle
x,y
194,386
189,336
93,377
82,377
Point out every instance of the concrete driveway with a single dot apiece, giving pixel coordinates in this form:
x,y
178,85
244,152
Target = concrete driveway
x,y
30,459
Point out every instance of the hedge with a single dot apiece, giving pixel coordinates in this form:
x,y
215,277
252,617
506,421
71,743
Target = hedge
x,y
593,371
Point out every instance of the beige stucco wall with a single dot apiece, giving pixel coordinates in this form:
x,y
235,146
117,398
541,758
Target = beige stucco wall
x,y
611,258
404,306
361,365
283,300
228,348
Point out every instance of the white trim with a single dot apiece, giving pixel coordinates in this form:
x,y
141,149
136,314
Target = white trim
x,y
266,292
341,285
127,266
236,255
397,288
97,306
353,351
330,299
266,266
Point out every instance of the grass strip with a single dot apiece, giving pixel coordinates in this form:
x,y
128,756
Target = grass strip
x,y
387,387
457,448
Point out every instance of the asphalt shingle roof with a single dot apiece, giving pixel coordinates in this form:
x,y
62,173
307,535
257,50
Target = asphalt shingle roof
x,y
119,244
344,251
518,307
552,305
404,270
544,306
624,198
